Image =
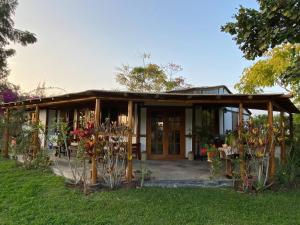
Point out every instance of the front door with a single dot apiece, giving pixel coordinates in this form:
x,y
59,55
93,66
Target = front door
x,y
165,134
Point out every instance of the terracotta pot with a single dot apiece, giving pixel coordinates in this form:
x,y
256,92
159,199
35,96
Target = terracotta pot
x,y
211,155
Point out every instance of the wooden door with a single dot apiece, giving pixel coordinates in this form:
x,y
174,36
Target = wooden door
x,y
165,134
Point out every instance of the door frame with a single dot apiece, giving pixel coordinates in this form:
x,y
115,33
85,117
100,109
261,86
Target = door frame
x,y
165,155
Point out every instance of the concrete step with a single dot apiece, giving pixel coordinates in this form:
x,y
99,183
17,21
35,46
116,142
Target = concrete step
x,y
189,183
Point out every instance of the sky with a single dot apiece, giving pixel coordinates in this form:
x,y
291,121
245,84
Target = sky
x,y
82,43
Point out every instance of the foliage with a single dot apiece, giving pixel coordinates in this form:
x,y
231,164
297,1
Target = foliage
x,y
113,148
150,77
10,34
41,161
281,67
287,172
274,23
107,144
23,192
62,139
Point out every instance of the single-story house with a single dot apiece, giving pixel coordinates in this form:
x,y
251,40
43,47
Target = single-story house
x,y
167,125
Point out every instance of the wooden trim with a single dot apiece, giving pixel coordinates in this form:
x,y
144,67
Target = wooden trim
x,y
129,150
6,134
291,124
241,144
138,131
193,130
165,155
46,104
36,121
97,125
272,141
282,136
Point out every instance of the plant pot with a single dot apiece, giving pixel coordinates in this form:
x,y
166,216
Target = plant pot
x,y
190,156
211,155
144,156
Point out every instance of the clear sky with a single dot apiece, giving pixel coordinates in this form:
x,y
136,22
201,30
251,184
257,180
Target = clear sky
x,y
81,43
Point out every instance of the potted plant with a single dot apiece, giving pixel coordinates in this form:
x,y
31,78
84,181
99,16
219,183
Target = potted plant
x,y
212,152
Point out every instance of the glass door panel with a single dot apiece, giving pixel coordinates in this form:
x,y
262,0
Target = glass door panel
x,y
157,133
174,133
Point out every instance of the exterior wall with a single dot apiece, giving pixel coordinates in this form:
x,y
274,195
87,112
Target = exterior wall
x,y
43,121
51,120
188,130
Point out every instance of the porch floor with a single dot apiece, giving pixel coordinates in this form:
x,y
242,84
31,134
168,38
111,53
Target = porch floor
x,y
175,170
176,173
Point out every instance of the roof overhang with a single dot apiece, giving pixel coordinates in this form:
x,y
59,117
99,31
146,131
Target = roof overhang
x,y
281,102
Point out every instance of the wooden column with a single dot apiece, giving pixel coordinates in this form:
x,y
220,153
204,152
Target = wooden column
x,y
6,134
36,143
129,149
241,143
282,137
271,141
291,127
97,126
138,131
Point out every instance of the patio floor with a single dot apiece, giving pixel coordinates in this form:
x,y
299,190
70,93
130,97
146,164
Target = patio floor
x,y
160,169
176,169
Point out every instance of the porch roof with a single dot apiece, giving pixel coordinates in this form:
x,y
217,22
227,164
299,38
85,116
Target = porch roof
x,y
281,102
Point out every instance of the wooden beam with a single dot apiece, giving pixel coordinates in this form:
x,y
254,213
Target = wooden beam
x,y
53,103
271,142
97,126
282,137
241,142
36,142
129,148
6,134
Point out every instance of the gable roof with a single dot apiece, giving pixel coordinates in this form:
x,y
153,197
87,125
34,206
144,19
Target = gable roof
x,y
200,89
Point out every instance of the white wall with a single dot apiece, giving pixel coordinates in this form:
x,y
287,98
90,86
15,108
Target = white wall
x,y
143,128
221,121
50,123
43,121
188,130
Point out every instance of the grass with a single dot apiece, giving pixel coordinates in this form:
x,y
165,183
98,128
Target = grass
x,y
33,197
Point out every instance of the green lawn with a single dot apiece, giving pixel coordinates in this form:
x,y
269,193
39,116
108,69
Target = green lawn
x,y
32,197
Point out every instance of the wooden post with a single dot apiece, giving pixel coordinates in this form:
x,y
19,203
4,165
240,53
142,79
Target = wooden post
x,y
36,143
129,149
282,137
97,125
6,134
291,127
241,144
271,142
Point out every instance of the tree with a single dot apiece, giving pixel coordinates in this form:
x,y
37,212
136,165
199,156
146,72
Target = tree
x,y
281,66
10,34
150,77
274,23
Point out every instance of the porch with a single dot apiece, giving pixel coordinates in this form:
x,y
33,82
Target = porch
x,y
160,170
164,124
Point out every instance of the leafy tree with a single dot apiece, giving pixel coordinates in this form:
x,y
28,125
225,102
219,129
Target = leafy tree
x,y
8,34
150,77
281,66
274,23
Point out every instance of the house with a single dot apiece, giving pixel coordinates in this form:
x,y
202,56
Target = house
x,y
167,125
